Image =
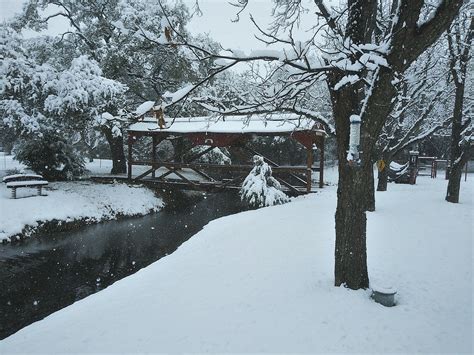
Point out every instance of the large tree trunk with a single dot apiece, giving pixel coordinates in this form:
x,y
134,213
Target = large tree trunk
x,y
117,153
356,193
350,253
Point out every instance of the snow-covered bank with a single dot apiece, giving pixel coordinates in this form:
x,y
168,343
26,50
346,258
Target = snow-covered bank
x,y
261,281
69,202
66,202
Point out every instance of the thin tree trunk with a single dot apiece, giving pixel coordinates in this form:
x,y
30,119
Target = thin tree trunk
x,y
454,183
91,154
117,153
460,151
383,179
452,193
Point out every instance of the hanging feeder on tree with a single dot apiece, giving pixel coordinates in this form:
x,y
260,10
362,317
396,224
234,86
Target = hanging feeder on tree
x,y
354,138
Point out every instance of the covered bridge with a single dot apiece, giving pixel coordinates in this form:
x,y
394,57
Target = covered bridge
x,y
229,132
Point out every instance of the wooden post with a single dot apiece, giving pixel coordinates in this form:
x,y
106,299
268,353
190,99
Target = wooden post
x,y
321,164
129,161
413,166
309,168
39,188
13,192
153,156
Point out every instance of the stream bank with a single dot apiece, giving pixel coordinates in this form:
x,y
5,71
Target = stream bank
x,y
41,275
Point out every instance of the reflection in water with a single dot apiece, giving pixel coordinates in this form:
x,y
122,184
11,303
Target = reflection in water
x,y
44,274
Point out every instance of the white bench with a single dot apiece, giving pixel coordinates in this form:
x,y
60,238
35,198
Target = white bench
x,y
24,180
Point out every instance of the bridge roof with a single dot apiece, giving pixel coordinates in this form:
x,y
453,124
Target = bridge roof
x,y
258,124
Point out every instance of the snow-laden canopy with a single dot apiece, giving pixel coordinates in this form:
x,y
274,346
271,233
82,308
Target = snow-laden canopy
x,y
276,123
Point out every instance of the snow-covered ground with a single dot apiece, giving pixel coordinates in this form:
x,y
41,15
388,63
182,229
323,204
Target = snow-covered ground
x,y
69,201
262,281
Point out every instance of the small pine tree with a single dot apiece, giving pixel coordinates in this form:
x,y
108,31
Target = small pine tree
x,y
260,188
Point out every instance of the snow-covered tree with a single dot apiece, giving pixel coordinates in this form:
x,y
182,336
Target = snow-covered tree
x,y
366,47
461,68
121,36
260,188
22,82
419,111
40,101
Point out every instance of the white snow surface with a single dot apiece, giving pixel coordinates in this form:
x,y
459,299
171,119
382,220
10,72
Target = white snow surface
x,y
278,123
178,95
69,201
144,108
396,166
262,281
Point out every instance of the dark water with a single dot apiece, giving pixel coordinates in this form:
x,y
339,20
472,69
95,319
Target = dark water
x,y
44,274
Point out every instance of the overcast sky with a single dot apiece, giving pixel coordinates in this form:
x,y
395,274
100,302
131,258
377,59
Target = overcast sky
x,y
216,20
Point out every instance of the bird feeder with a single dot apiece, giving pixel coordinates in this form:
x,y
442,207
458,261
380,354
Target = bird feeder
x,y
354,138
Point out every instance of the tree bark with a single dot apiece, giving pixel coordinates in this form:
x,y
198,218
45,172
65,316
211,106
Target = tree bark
x,y
460,151
350,252
383,178
356,179
454,183
117,153
370,195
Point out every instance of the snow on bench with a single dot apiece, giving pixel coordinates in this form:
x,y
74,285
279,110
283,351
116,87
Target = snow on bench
x,y
19,177
26,183
24,180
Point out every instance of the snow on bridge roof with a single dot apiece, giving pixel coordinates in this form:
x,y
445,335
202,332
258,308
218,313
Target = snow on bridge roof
x,y
281,123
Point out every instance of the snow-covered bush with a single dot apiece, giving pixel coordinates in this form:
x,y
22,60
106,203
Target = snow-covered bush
x,y
260,188
50,155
